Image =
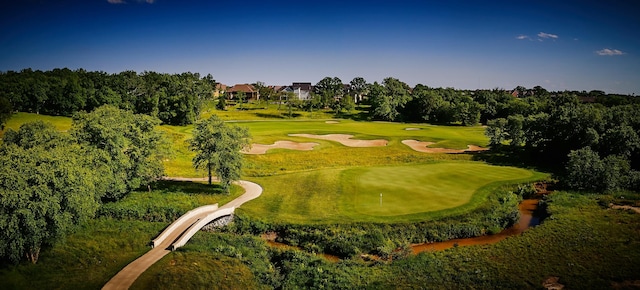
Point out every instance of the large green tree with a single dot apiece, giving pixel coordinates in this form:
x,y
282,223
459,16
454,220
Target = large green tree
x,y
47,185
358,87
217,146
587,171
329,89
129,149
388,98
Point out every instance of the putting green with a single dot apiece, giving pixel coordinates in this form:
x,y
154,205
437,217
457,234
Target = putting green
x,y
410,192
422,188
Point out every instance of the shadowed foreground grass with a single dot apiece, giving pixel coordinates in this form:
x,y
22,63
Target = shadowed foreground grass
x,y
86,259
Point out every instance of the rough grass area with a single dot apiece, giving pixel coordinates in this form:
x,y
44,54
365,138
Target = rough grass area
x,y
168,201
584,244
410,192
180,270
86,259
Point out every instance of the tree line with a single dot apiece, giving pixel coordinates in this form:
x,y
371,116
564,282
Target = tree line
x,y
173,98
598,146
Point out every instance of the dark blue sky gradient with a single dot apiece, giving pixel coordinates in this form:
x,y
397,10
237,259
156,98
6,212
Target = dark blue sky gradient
x,y
575,45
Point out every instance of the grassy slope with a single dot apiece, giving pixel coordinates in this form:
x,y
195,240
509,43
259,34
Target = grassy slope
x,y
415,192
61,123
86,259
100,248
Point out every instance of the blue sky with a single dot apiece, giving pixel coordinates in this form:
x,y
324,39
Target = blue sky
x,y
559,45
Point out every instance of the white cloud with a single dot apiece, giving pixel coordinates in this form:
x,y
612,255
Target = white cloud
x,y
547,35
608,51
522,36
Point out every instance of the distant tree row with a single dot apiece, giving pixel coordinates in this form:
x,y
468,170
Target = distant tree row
x,y
394,100
173,98
51,181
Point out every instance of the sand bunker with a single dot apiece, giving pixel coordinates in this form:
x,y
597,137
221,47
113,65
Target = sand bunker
x,y
412,129
345,140
332,122
422,147
262,148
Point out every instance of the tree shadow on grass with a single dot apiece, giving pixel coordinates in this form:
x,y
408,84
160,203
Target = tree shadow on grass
x,y
270,116
188,187
356,116
516,157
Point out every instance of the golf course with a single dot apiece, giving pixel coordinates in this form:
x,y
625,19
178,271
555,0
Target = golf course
x,y
357,192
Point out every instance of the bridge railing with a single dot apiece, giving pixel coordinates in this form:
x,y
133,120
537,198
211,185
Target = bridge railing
x,y
196,211
199,224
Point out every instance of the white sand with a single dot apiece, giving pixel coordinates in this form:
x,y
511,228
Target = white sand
x,y
423,147
345,140
263,148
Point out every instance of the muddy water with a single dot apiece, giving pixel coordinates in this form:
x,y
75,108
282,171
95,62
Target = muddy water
x,y
527,220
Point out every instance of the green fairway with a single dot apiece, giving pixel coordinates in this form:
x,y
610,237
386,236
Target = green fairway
x,y
444,136
17,119
411,192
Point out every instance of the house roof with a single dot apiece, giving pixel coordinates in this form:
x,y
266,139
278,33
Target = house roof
x,y
302,86
246,88
277,88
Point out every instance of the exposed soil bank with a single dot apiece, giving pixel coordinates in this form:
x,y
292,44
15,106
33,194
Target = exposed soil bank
x,y
625,207
527,219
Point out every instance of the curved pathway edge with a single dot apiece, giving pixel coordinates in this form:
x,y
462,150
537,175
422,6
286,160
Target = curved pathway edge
x,y
125,278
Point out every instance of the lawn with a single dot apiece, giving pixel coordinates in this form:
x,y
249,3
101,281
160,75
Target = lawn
x,y
328,154
17,119
416,189
410,192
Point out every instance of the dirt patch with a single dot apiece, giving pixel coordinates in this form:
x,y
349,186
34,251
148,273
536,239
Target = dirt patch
x,y
345,140
551,283
263,148
625,207
423,147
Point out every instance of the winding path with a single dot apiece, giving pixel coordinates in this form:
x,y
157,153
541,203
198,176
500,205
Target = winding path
x,y
125,278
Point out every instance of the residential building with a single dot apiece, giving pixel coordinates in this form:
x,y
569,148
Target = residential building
x,y
250,92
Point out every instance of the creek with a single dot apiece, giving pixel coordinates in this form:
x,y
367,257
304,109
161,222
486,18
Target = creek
x,y
528,218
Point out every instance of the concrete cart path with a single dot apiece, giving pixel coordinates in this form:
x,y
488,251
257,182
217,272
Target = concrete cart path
x,y
125,278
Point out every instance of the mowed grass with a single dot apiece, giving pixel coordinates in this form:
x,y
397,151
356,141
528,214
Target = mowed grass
x,y
328,154
61,123
404,190
410,193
